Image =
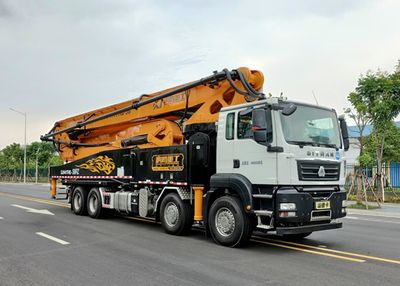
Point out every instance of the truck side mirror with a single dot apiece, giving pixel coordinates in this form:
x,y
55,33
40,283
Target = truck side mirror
x,y
289,109
259,126
345,133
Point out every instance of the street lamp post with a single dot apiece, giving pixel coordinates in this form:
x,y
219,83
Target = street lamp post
x,y
24,114
37,165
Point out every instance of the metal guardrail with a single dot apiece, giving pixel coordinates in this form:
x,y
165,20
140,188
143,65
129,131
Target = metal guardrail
x,y
17,175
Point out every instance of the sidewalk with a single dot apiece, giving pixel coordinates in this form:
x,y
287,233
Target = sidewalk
x,y
386,210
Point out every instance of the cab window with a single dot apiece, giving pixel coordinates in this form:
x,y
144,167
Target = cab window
x,y
230,126
245,124
246,127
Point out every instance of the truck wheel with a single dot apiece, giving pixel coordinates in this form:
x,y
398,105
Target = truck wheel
x,y
176,215
94,206
296,236
78,201
228,223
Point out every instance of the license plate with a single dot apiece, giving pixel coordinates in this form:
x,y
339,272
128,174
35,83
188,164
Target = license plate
x,y
323,205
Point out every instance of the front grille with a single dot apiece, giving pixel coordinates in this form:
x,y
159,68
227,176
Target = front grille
x,y
311,171
320,215
319,192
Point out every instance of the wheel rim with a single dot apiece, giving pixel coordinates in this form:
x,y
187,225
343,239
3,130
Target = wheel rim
x,y
93,204
171,214
77,201
225,222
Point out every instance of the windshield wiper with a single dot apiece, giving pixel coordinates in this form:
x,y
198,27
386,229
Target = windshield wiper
x,y
302,143
329,145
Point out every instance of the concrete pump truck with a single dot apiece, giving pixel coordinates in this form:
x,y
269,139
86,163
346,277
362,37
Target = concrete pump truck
x,y
213,152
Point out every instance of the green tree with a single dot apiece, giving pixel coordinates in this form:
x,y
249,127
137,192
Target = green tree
x,y
43,151
361,119
378,96
391,151
12,156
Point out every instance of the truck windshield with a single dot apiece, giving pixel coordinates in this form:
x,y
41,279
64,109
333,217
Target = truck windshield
x,y
311,126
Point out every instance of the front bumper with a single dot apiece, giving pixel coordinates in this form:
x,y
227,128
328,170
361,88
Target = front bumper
x,y
307,228
306,213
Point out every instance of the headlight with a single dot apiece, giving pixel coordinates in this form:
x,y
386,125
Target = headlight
x,y
287,206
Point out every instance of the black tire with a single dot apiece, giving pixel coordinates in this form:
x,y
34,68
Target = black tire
x,y
78,201
297,236
94,204
176,215
228,223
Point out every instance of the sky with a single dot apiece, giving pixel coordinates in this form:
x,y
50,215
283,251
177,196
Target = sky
x,y
62,58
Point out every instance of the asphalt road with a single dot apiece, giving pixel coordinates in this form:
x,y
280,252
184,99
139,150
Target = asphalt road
x,y
59,248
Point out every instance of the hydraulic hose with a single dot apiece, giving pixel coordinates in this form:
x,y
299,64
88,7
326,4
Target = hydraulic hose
x,y
230,80
250,91
249,88
75,144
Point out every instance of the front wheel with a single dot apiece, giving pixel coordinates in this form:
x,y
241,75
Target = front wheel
x,y
229,225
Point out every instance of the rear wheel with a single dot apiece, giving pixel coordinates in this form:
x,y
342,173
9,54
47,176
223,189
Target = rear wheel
x,y
228,223
176,215
78,201
94,206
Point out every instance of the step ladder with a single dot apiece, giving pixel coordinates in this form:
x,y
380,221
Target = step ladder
x,y
64,193
263,213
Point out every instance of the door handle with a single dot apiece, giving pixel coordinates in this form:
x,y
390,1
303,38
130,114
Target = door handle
x,y
274,149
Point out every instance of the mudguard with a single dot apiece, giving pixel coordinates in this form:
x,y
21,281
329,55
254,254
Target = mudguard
x,y
235,182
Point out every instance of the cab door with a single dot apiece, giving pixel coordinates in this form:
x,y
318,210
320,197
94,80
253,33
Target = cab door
x,y
246,156
225,142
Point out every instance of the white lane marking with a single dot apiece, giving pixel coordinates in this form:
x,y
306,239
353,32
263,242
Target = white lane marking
x,y
31,210
60,241
1,217
372,220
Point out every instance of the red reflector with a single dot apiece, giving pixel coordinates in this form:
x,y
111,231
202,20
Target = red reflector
x,y
284,214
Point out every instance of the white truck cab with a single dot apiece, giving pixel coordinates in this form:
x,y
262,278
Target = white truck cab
x,y
293,155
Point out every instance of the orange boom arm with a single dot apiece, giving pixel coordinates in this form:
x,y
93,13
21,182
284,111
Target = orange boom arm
x,y
156,119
